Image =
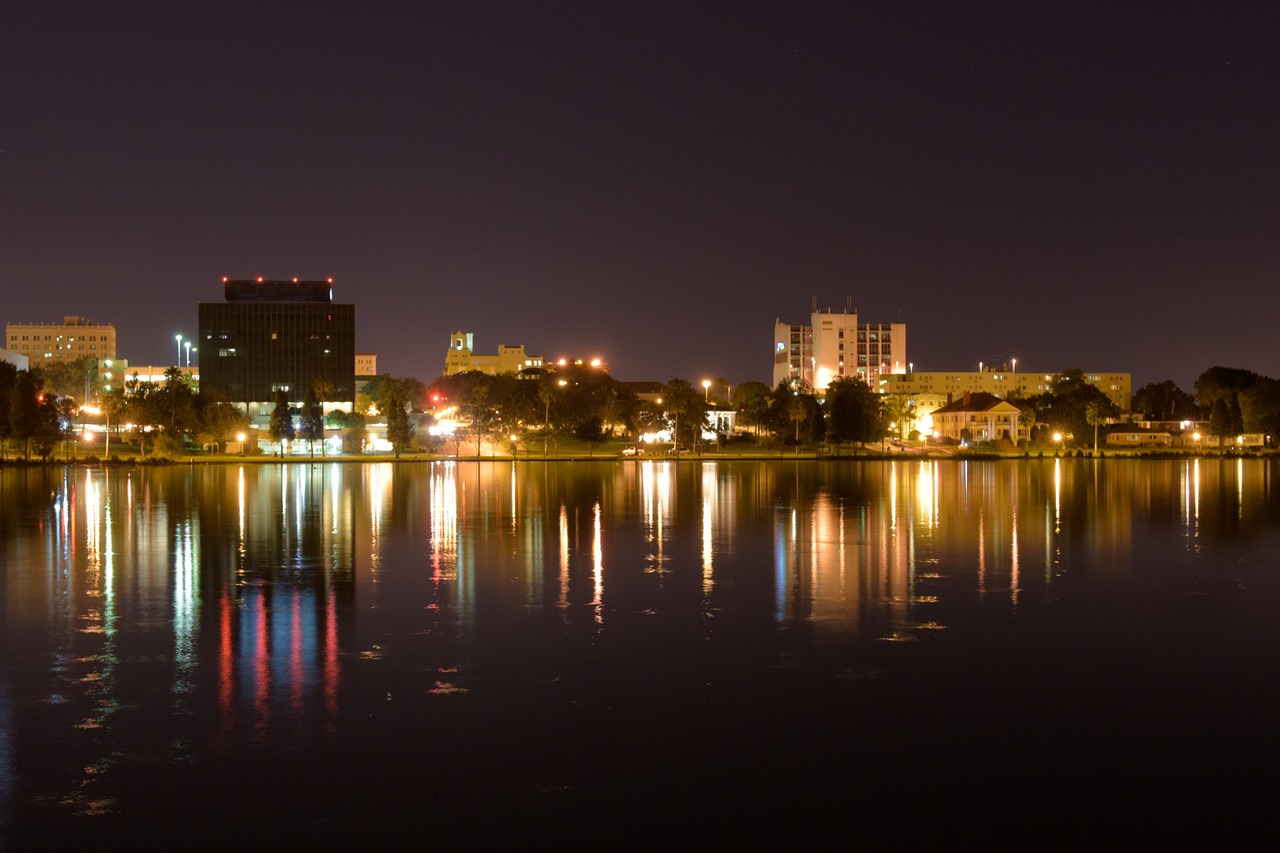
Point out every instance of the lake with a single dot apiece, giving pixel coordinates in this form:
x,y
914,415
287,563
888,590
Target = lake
x,y
639,654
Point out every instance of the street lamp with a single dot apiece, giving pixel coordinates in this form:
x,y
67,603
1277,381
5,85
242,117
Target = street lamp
x,y
706,390
187,346
178,338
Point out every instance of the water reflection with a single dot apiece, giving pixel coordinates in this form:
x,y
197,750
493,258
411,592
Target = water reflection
x,y
175,613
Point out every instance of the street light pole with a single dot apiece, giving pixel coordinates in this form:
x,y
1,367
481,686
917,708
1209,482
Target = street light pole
x,y
187,346
178,338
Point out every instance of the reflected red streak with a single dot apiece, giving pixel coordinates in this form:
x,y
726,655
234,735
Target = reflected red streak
x,y
331,661
225,682
261,668
295,652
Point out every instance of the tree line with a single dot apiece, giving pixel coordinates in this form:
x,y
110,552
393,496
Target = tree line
x,y
588,405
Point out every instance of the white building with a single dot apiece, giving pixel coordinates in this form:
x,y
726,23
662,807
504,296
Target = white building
x,y
835,345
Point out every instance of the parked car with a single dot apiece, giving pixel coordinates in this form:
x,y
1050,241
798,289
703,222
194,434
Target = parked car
x,y
633,450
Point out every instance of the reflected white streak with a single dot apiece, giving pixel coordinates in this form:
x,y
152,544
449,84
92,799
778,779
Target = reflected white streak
x,y
597,562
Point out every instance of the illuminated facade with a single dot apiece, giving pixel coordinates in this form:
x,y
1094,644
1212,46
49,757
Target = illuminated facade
x,y
74,338
366,364
277,335
835,345
462,357
979,417
931,390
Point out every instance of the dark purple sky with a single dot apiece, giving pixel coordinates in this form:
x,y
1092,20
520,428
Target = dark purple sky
x,y
655,183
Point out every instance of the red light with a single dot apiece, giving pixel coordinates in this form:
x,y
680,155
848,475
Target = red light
x,y
39,398
295,279
224,279
329,280
259,279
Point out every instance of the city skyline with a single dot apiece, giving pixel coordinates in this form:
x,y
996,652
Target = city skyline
x,y
1075,188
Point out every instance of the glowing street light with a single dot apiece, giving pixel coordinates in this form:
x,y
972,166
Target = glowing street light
x,y
187,346
178,338
706,390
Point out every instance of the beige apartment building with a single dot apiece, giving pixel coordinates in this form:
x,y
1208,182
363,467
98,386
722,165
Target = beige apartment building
x,y
74,338
934,390
835,345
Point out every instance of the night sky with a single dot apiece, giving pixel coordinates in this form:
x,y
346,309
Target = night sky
x,y
1070,185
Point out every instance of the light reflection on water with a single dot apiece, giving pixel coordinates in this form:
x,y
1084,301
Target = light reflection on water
x,y
167,617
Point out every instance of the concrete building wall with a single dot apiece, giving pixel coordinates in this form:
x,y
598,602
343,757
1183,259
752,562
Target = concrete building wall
x,y
1000,382
462,358
835,345
73,338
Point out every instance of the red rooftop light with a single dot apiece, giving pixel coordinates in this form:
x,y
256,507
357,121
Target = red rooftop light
x,y
259,279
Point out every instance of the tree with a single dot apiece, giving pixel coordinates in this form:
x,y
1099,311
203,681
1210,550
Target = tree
x,y
752,402
178,403
793,406
280,427
8,378
75,379
352,425
399,430
1164,401
216,419
589,431
685,404
1260,407
853,412
312,421
25,415
899,412
1220,419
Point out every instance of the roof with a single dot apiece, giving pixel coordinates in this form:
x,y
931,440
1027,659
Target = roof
x,y
978,401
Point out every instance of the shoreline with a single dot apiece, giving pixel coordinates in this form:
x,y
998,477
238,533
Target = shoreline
x,y
806,456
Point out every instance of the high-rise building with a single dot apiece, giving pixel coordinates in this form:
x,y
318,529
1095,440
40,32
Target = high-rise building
x,y
269,336
74,338
835,345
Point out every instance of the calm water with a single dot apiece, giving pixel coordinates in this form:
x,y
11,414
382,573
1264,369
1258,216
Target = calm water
x,y
639,654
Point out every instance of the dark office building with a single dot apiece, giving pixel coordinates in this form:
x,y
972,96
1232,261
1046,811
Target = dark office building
x,y
270,335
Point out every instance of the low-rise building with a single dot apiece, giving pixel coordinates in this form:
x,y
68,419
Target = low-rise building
x,y
979,417
462,357
927,387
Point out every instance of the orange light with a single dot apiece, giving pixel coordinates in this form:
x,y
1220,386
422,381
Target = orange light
x,y
329,280
295,279
259,279
224,279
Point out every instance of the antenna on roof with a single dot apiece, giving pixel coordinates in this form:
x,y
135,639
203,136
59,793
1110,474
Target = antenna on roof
x,y
815,306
